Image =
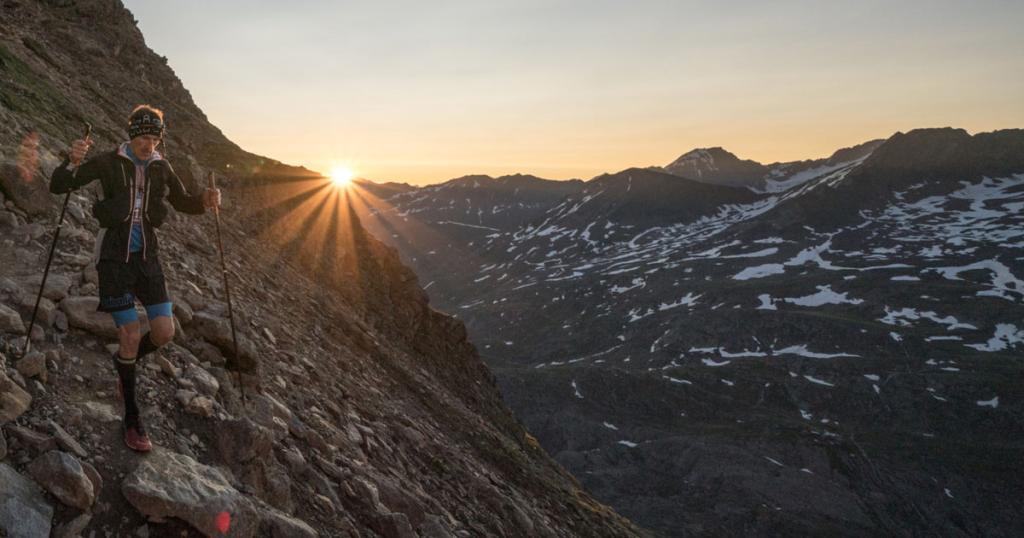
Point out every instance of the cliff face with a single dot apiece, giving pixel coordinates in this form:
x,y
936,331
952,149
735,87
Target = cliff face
x,y
371,414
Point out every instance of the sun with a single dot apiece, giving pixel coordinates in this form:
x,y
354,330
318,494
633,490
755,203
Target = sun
x,y
341,176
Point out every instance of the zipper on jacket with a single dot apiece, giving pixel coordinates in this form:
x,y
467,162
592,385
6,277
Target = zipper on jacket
x,y
128,243
144,210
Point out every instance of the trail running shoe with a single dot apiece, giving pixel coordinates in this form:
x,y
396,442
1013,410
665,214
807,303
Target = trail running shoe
x,y
135,435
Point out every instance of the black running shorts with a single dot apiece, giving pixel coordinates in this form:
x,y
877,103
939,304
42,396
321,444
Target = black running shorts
x,y
121,283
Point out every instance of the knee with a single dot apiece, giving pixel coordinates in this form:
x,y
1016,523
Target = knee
x,y
162,334
129,335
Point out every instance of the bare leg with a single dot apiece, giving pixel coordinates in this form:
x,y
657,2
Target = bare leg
x,y
161,330
128,337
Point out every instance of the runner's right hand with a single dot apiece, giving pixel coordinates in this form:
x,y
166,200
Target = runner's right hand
x,y
78,150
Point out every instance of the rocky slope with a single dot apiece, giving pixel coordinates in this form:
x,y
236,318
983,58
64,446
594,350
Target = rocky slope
x,y
834,350
371,414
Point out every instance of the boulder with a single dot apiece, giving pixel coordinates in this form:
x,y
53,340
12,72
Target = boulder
x,y
66,441
217,331
399,498
434,528
32,365
13,399
45,315
29,438
393,525
242,440
24,511
82,314
200,405
56,289
90,275
204,381
183,312
167,484
279,525
10,321
63,476
73,528
100,412
8,219
94,477
271,414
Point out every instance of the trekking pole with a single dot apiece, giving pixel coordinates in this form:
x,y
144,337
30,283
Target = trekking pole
x,y
49,257
227,288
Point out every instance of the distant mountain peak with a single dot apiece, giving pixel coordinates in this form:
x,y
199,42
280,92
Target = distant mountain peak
x,y
716,165
951,152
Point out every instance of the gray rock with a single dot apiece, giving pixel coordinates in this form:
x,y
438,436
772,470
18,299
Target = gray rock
x,y
165,366
8,219
3,445
32,365
66,441
56,289
13,399
200,405
434,528
94,477
45,315
393,525
242,440
100,412
76,212
271,414
399,498
73,528
183,312
10,321
76,260
60,321
279,525
90,275
217,331
166,484
24,511
82,314
184,396
63,476
36,441
204,381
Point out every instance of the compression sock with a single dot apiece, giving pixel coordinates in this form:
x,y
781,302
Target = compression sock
x,y
126,372
146,346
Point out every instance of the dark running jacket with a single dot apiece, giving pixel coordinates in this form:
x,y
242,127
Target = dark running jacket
x,y
116,173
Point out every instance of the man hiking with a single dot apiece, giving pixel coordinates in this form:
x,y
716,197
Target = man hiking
x,y
135,179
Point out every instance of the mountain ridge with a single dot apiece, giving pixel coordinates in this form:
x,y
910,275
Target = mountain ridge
x,y
837,349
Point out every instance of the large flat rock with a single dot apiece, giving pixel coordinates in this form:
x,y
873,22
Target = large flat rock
x,y
13,399
168,484
82,314
24,511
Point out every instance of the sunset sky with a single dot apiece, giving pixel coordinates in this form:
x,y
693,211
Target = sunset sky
x,y
422,92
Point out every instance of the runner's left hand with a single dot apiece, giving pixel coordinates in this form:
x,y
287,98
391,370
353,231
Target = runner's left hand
x,y
211,198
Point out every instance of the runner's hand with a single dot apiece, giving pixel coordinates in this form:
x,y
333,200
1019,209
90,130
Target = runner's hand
x,y
78,150
211,198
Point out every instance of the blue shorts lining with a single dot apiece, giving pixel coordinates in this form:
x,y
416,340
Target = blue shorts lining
x,y
129,315
159,309
124,317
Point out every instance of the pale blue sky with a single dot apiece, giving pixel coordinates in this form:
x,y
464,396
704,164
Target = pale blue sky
x,y
422,92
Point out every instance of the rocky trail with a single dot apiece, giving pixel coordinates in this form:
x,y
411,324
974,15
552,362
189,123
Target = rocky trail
x,y
359,390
